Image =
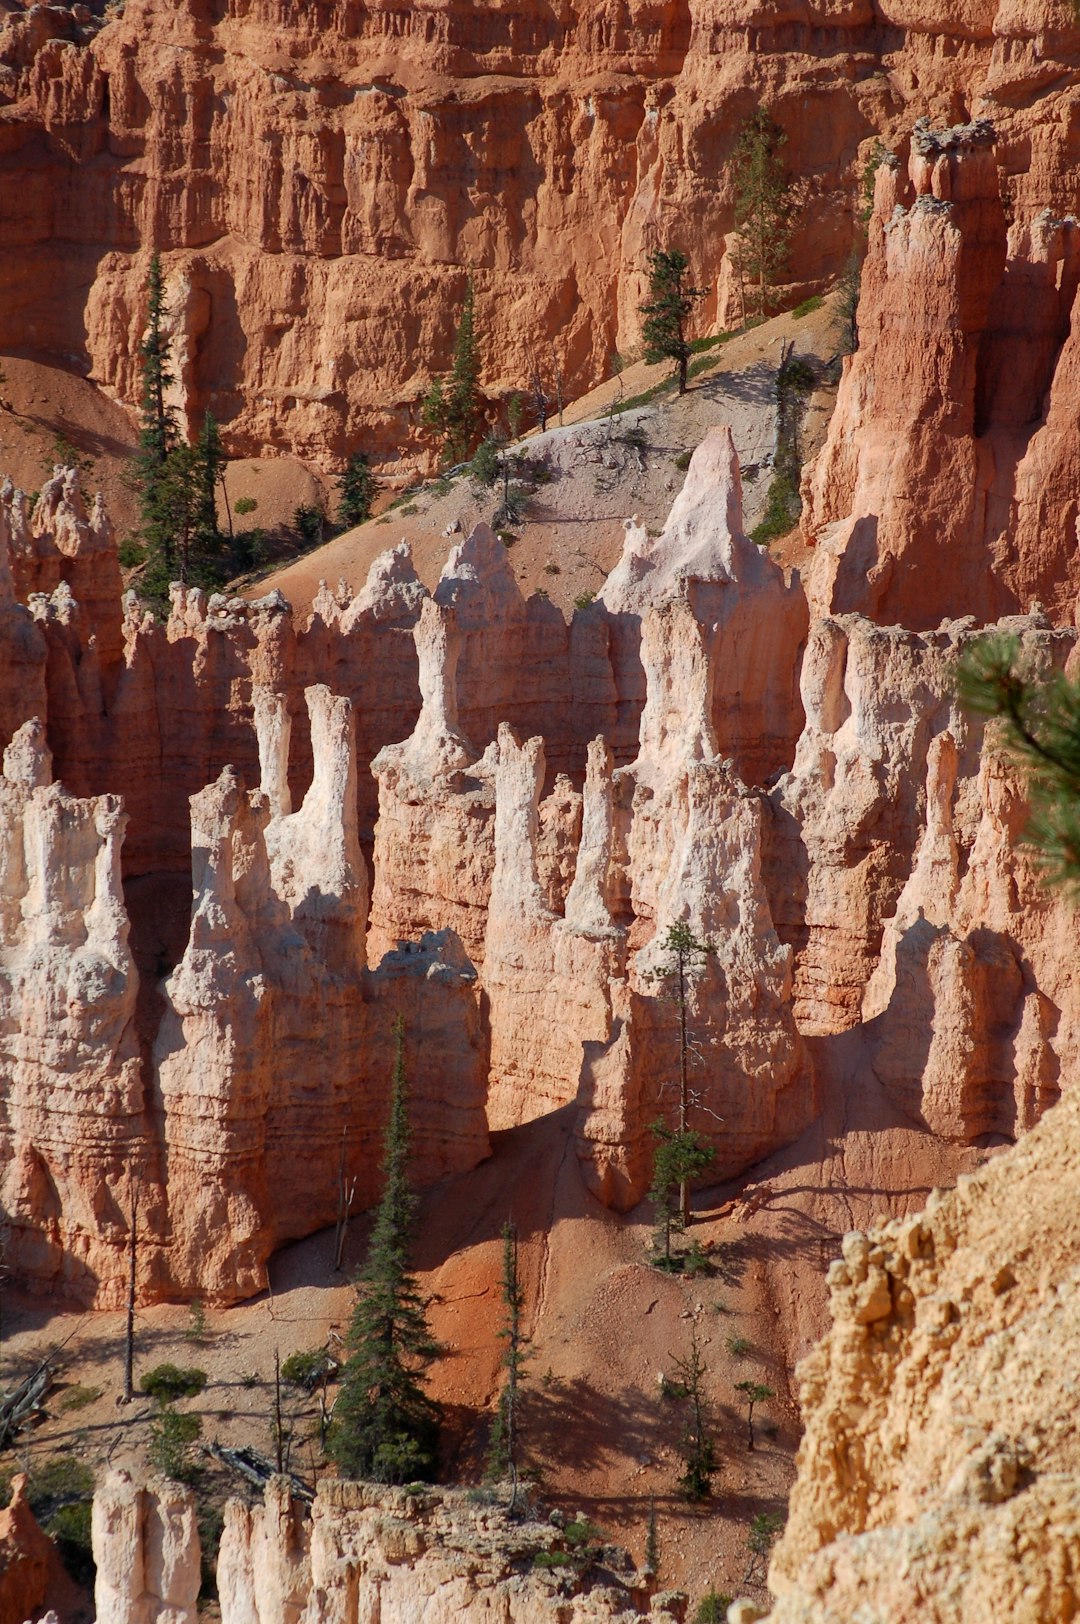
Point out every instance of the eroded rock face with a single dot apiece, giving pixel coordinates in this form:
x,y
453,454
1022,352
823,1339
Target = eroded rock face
x,y
410,1559
943,487
939,1476
146,1547
541,151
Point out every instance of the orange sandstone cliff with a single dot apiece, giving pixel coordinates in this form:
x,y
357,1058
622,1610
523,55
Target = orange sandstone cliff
x,y
323,179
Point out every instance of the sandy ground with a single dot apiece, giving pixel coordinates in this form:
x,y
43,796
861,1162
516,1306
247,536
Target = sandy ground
x,y
572,534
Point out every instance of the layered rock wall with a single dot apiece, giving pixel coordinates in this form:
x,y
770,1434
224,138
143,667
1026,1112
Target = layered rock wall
x,y
322,181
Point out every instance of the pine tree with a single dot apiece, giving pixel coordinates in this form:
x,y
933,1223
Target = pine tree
x,y
385,1426
763,207
753,1393
454,406
667,311
503,1453
1041,726
680,1157
698,1450
356,491
685,955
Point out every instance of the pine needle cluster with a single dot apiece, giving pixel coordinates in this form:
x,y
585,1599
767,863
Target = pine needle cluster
x,y
1041,726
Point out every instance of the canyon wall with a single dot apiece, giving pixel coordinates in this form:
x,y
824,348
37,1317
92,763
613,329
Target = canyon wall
x,y
234,846
322,181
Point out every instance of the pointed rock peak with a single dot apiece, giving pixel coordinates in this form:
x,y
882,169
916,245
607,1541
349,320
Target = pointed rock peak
x,y
28,759
478,580
703,539
61,513
392,590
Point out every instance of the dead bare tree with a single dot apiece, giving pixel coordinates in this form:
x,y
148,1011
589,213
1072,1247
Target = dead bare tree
x,y
346,1195
135,1185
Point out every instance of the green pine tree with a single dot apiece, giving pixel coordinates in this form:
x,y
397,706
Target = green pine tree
x,y
1040,719
454,406
763,209
385,1425
667,311
698,1449
503,1453
685,956
356,491
680,1157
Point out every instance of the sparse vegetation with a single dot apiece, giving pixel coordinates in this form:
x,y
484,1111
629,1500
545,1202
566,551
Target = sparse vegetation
x,y
583,600
738,1346
309,522
308,1369
764,210
385,1425
795,379
79,1398
172,1436
753,1393
166,1383
453,408
356,492
697,1448
667,310
503,1452
760,1539
712,1608
244,505
808,306
1040,723
682,461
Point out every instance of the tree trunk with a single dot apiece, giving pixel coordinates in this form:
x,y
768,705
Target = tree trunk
x,y
129,1338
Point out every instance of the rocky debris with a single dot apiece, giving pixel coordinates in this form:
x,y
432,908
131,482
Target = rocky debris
x,y
417,1556
939,1476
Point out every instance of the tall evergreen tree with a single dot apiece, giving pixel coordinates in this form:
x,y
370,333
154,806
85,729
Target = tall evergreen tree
x,y
503,1455
667,311
177,482
385,1425
454,406
763,208
685,955
356,491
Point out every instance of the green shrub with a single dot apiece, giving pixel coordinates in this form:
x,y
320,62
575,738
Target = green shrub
x,y
308,521
244,505
712,1608
552,569
409,509
808,306
307,1369
130,553
77,1398
552,1559
782,509
739,1346
171,1438
69,1531
166,1383
583,600
682,461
